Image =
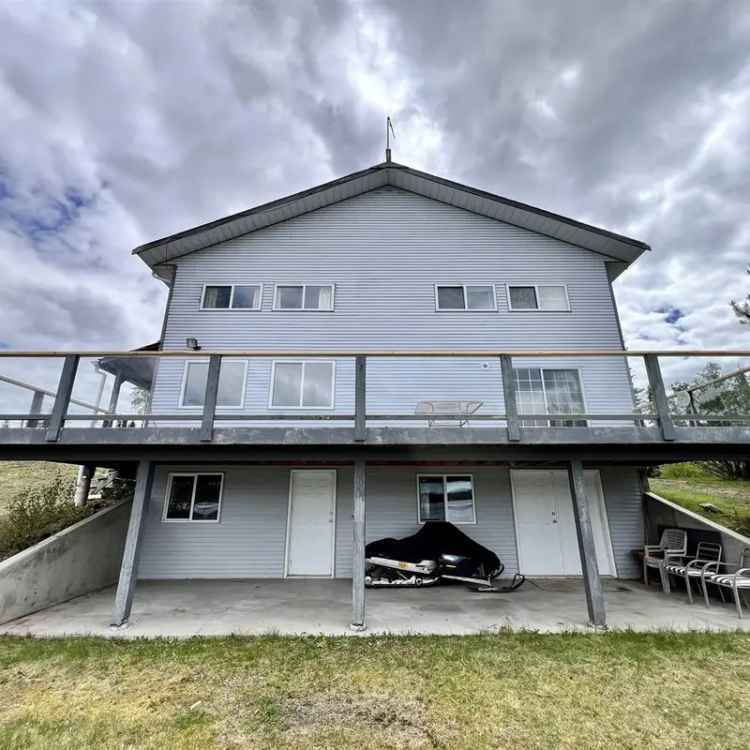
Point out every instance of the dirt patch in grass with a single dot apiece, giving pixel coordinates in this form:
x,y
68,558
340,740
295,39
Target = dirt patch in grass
x,y
400,721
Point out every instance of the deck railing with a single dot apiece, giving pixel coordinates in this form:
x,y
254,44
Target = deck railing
x,y
659,410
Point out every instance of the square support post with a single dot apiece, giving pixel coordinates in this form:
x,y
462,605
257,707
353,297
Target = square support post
x,y
129,567
360,399
509,396
358,547
209,401
589,564
37,401
62,398
659,393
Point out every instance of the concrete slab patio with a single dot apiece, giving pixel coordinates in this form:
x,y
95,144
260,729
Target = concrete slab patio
x,y
291,607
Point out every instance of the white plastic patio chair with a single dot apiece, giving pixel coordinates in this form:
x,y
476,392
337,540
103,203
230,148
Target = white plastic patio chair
x,y
672,542
689,569
736,578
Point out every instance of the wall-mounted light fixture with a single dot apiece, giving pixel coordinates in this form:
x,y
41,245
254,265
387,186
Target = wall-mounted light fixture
x,y
192,343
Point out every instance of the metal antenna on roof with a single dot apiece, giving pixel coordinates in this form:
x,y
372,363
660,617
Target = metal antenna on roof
x,y
388,130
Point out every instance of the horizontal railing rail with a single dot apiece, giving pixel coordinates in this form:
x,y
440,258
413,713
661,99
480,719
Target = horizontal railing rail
x,y
344,353
659,412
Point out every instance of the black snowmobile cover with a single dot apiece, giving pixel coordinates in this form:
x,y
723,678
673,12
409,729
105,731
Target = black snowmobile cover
x,y
435,538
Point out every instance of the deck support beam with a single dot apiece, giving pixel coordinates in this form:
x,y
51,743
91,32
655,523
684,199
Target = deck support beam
x,y
129,567
591,580
358,548
83,484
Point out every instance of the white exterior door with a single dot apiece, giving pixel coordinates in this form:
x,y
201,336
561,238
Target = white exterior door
x,y
311,522
545,524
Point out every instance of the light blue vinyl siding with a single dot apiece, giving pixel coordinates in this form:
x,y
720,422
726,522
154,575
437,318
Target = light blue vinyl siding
x,y
385,251
250,539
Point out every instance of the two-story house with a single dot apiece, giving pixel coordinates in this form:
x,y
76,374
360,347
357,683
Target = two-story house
x,y
349,362
388,259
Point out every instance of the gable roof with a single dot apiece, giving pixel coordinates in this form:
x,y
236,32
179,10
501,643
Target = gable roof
x,y
617,247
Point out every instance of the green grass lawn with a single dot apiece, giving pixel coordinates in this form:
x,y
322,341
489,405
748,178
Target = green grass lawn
x,y
17,477
689,489
617,690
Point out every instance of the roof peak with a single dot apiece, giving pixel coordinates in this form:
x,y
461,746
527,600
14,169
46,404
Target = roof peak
x,y
616,246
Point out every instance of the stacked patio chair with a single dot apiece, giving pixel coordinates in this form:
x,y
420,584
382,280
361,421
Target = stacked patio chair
x,y
736,578
673,542
681,566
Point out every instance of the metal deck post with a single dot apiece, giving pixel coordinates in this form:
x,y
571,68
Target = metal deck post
x,y
129,567
360,399
358,549
589,564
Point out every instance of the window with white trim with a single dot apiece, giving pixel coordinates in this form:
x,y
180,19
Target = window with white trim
x,y
193,497
303,297
302,385
232,297
446,497
465,297
542,297
231,393
549,391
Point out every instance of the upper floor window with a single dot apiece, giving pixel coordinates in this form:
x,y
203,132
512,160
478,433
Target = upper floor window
x,y
302,385
549,391
304,297
231,391
465,297
193,497
231,297
446,497
544,297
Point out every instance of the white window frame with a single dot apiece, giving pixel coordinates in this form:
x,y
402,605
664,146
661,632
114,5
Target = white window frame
x,y
544,389
466,307
508,287
231,298
195,475
303,287
445,497
204,361
303,362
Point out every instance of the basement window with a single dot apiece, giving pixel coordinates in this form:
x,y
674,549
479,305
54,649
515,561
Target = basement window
x,y
541,297
446,497
304,297
231,297
465,297
193,497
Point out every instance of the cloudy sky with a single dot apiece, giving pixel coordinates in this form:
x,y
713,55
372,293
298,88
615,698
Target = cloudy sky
x,y
123,122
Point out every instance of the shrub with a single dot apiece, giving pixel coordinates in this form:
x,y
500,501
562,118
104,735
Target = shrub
x,y
38,514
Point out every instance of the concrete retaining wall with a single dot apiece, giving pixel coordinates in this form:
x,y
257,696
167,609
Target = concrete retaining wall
x,y
82,558
662,512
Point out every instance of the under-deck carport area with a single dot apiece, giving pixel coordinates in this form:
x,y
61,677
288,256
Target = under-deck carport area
x,y
292,607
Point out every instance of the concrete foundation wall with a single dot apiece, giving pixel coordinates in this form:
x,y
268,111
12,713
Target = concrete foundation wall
x,y
663,513
82,558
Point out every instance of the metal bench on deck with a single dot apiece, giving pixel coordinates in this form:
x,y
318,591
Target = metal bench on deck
x,y
450,411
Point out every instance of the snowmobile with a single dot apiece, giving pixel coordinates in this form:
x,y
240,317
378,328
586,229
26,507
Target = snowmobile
x,y
437,552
